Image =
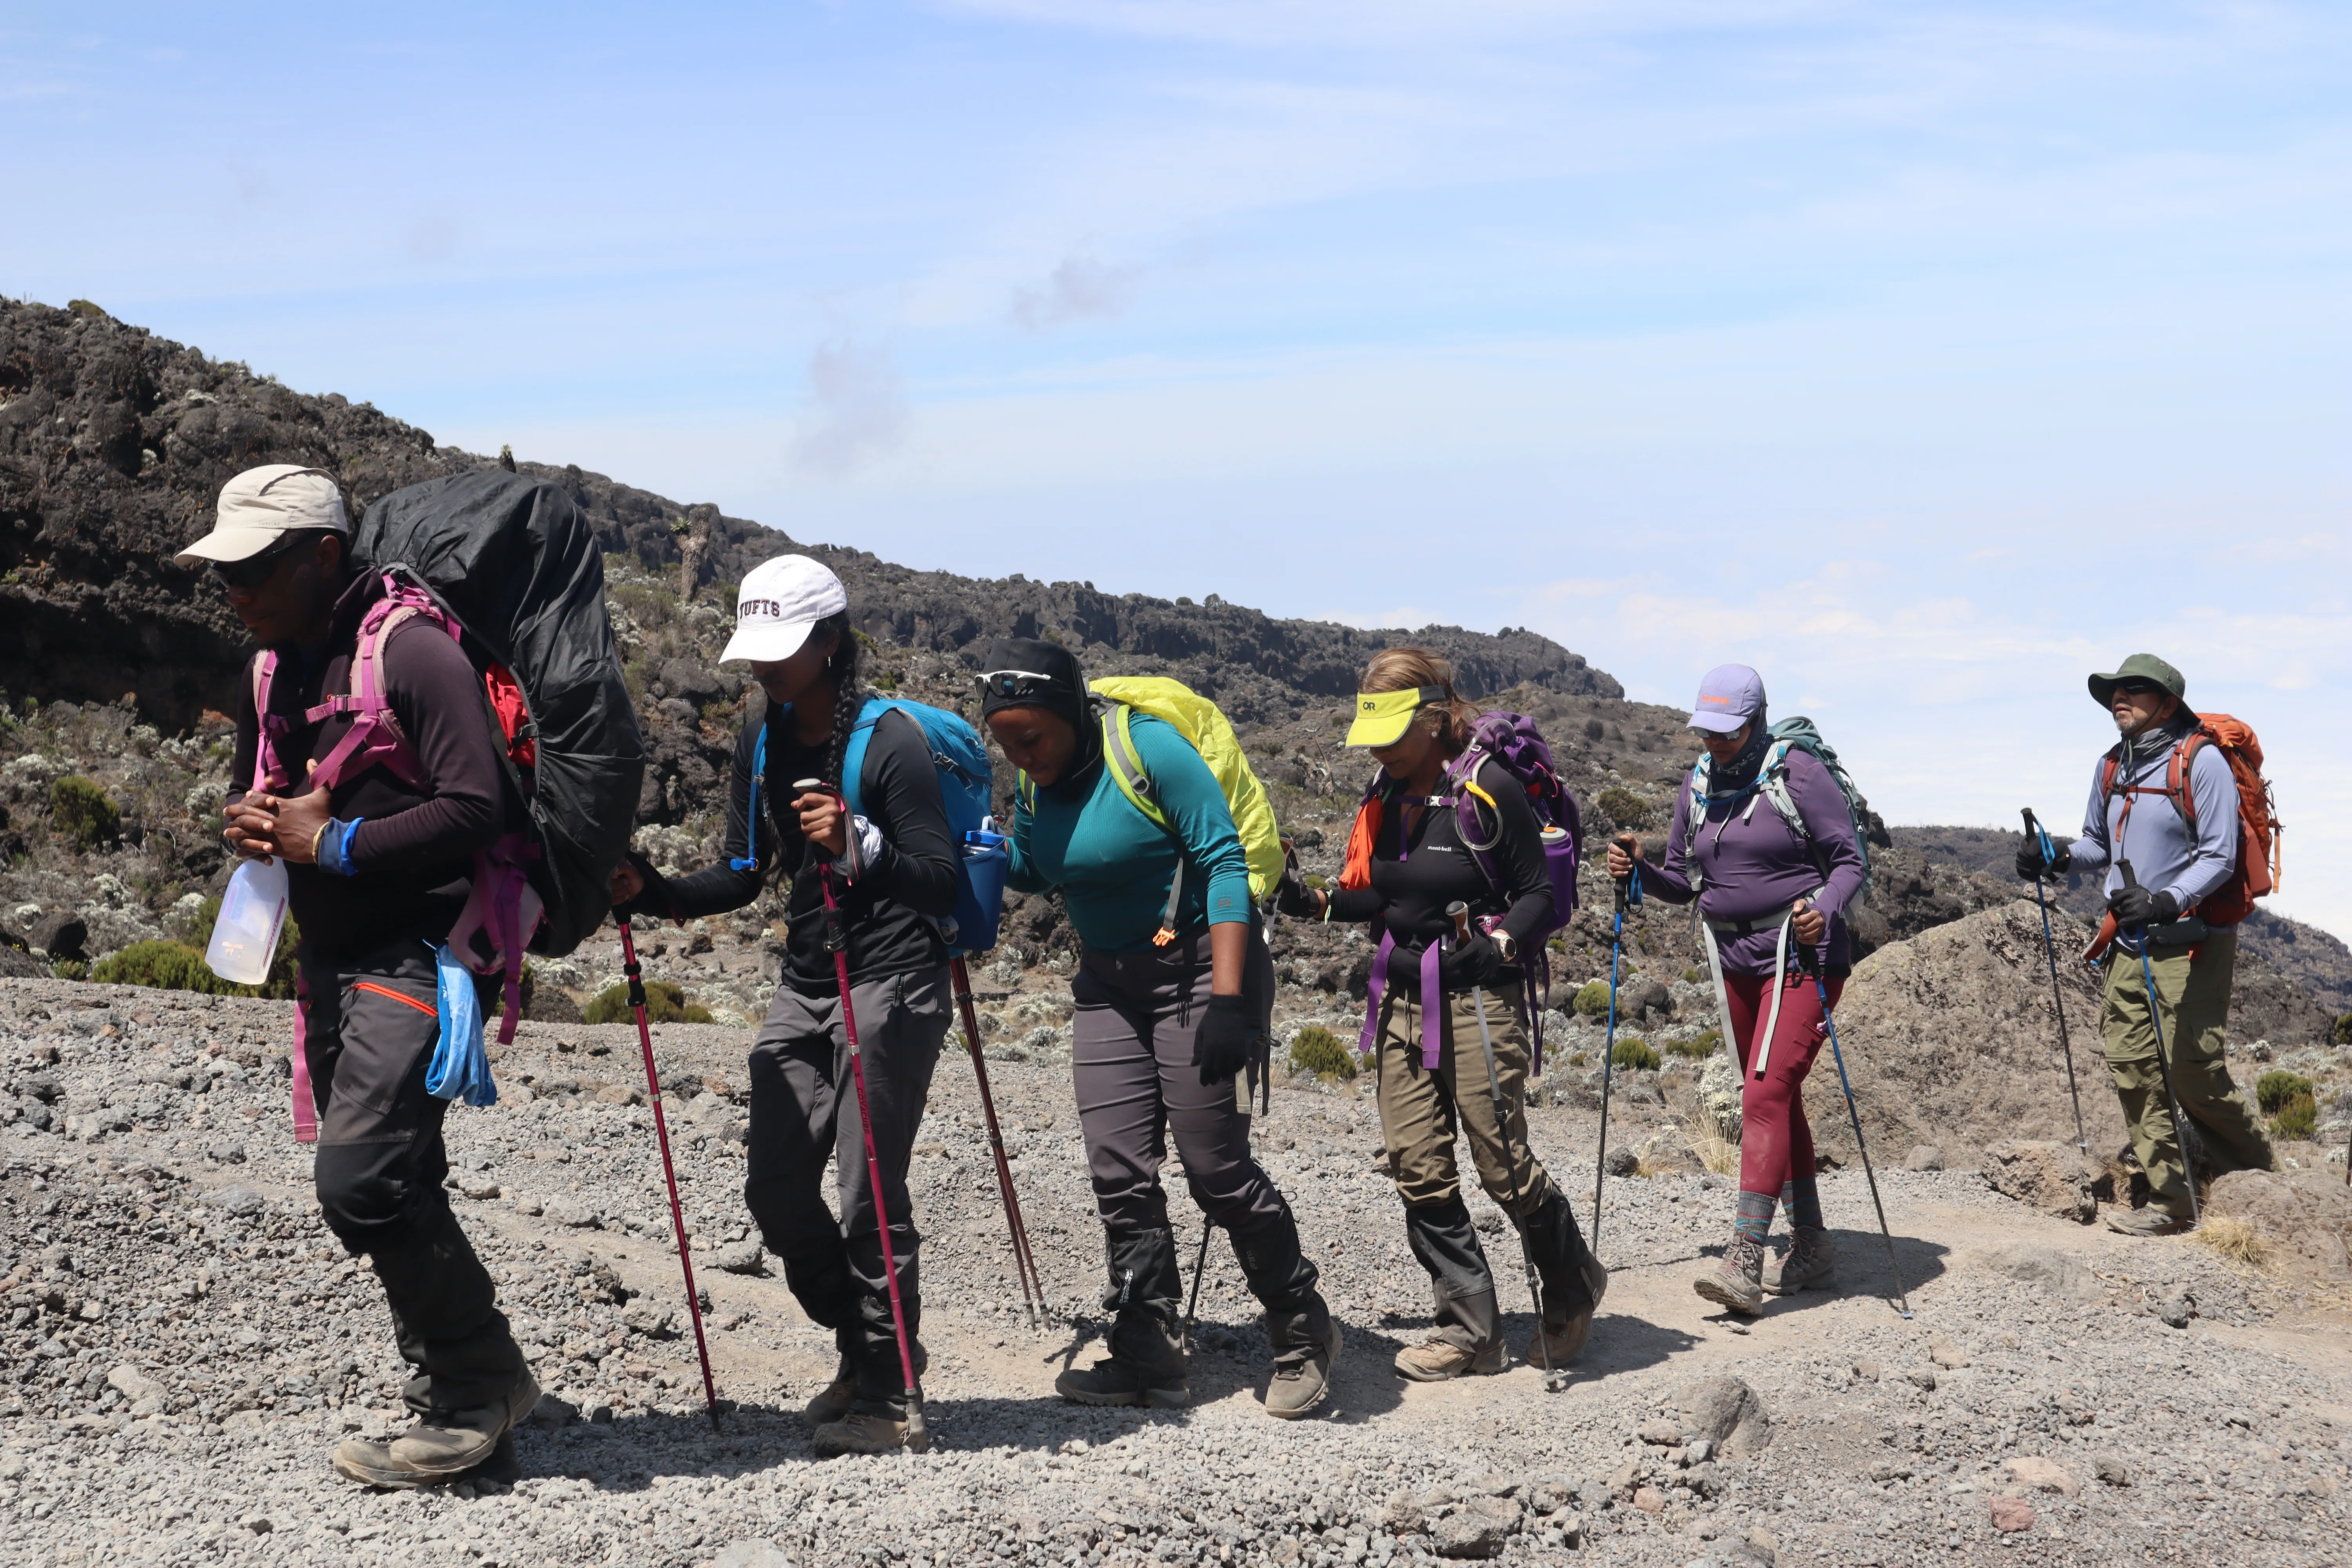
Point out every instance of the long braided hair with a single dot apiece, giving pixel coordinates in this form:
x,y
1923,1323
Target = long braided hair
x,y
849,696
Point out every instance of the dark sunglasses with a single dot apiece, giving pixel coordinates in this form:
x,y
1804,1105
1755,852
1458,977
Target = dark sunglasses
x,y
254,570
2137,687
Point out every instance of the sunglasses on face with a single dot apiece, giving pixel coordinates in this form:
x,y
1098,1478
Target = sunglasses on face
x,y
254,570
2137,687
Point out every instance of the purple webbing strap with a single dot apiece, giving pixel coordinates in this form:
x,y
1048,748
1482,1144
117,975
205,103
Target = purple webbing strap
x,y
1432,1015
1432,1026
1378,984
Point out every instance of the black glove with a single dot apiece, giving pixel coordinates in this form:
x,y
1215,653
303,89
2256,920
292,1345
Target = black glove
x,y
1225,1040
1473,962
2030,863
1292,896
656,900
2140,907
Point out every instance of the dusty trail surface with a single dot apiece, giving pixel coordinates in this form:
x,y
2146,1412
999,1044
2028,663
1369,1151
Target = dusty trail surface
x,y
184,1342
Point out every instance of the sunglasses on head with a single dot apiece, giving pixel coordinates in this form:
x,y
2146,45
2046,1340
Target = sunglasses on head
x,y
254,570
1016,685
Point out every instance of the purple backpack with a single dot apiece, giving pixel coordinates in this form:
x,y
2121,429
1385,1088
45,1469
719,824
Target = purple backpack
x,y
1512,743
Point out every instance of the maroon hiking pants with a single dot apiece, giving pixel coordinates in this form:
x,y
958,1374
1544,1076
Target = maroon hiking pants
x,y
1776,1145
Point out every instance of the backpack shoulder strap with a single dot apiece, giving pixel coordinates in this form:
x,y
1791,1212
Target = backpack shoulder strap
x,y
853,756
749,861
1776,790
1127,767
2176,777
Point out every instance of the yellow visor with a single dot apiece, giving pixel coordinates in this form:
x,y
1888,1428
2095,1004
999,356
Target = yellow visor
x,y
1382,716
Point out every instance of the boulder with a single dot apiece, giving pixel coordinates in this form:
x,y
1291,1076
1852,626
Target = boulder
x,y
1726,1413
2051,1176
60,935
2306,1216
1476,1527
2044,1474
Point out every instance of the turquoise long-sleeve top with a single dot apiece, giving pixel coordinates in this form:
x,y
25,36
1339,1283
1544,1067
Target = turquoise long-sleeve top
x,y
1114,865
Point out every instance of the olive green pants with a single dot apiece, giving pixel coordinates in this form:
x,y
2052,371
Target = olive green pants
x,y
2195,993
1421,1108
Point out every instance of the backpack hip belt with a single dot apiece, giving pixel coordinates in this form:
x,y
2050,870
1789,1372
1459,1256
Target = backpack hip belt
x,y
1750,927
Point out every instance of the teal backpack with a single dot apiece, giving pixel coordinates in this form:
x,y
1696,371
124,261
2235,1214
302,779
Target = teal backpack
x,y
1796,734
962,762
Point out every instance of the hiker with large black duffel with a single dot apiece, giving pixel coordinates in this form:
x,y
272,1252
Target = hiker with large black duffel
x,y
2179,821
1123,812
1765,838
884,836
383,842
1450,828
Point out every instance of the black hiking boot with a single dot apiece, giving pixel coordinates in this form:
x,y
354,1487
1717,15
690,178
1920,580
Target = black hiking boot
x,y
1146,1364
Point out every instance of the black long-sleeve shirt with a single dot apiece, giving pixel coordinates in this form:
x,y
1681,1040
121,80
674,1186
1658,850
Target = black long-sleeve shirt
x,y
415,852
1408,896
904,889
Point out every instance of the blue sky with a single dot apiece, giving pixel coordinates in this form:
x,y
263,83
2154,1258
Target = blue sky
x,y
1926,357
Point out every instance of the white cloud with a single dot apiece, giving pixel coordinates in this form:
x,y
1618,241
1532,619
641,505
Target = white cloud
x,y
1079,288
857,407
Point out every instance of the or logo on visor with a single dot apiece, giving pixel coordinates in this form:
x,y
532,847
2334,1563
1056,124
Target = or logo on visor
x,y
751,607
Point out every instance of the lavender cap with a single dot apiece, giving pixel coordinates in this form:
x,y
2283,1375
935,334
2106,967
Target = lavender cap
x,y
1727,695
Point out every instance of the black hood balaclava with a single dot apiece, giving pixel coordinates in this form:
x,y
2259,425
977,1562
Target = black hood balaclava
x,y
1060,689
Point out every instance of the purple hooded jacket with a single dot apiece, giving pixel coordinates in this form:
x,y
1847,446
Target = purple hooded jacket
x,y
1754,866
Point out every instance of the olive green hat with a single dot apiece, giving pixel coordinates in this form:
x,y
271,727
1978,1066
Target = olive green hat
x,y
2140,667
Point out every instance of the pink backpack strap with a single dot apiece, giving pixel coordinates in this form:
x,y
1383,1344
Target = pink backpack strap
x,y
267,726
306,1105
375,738
504,910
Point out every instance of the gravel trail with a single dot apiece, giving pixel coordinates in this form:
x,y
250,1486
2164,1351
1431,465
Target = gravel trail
x,y
184,1342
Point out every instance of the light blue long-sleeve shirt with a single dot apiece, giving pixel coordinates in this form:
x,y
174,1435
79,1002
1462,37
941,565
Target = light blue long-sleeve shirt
x,y
1114,865
2148,831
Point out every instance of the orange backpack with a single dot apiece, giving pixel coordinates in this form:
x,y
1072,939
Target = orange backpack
x,y
2259,830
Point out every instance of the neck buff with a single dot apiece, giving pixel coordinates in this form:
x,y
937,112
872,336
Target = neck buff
x,y
1061,691
1739,772
2159,737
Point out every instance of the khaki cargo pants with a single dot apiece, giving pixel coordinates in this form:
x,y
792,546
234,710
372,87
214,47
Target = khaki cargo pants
x,y
1423,1108
2195,993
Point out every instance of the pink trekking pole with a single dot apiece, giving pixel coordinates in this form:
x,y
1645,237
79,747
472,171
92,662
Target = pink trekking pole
x,y
836,942
669,1172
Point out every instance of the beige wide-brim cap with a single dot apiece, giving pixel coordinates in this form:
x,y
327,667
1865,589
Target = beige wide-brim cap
x,y
780,601
261,506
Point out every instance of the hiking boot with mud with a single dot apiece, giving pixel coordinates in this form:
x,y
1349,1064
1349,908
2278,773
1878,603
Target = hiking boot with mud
x,y
445,1445
1810,1264
2150,1221
1305,1346
1439,1360
1737,1282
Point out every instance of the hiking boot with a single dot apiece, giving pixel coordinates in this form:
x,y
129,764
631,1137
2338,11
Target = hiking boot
x,y
1439,1360
443,1447
1810,1263
1737,1282
833,1402
1111,1381
2150,1221
1305,1347
1554,1345
860,1432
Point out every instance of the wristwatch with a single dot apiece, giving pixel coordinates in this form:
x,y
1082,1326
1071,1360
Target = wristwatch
x,y
1505,945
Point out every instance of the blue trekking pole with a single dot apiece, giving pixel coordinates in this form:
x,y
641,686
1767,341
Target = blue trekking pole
x,y
2035,830
1810,962
1628,891
2164,1062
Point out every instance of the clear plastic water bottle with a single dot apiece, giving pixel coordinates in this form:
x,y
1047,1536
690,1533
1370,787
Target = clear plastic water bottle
x,y
252,913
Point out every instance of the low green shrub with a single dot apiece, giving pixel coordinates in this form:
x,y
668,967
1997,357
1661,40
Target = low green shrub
x,y
1623,807
1634,1051
1318,1050
2298,1118
1694,974
1699,1049
168,965
83,815
666,1003
2344,1030
1579,1059
2277,1087
1592,998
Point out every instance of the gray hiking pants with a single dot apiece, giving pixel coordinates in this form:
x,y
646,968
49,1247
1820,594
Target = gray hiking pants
x,y
1132,1050
804,1112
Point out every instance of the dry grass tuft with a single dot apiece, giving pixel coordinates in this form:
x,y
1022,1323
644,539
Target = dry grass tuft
x,y
1716,1152
2236,1240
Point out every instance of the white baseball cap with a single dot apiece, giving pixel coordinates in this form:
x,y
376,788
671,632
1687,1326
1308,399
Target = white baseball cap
x,y
780,601
261,506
